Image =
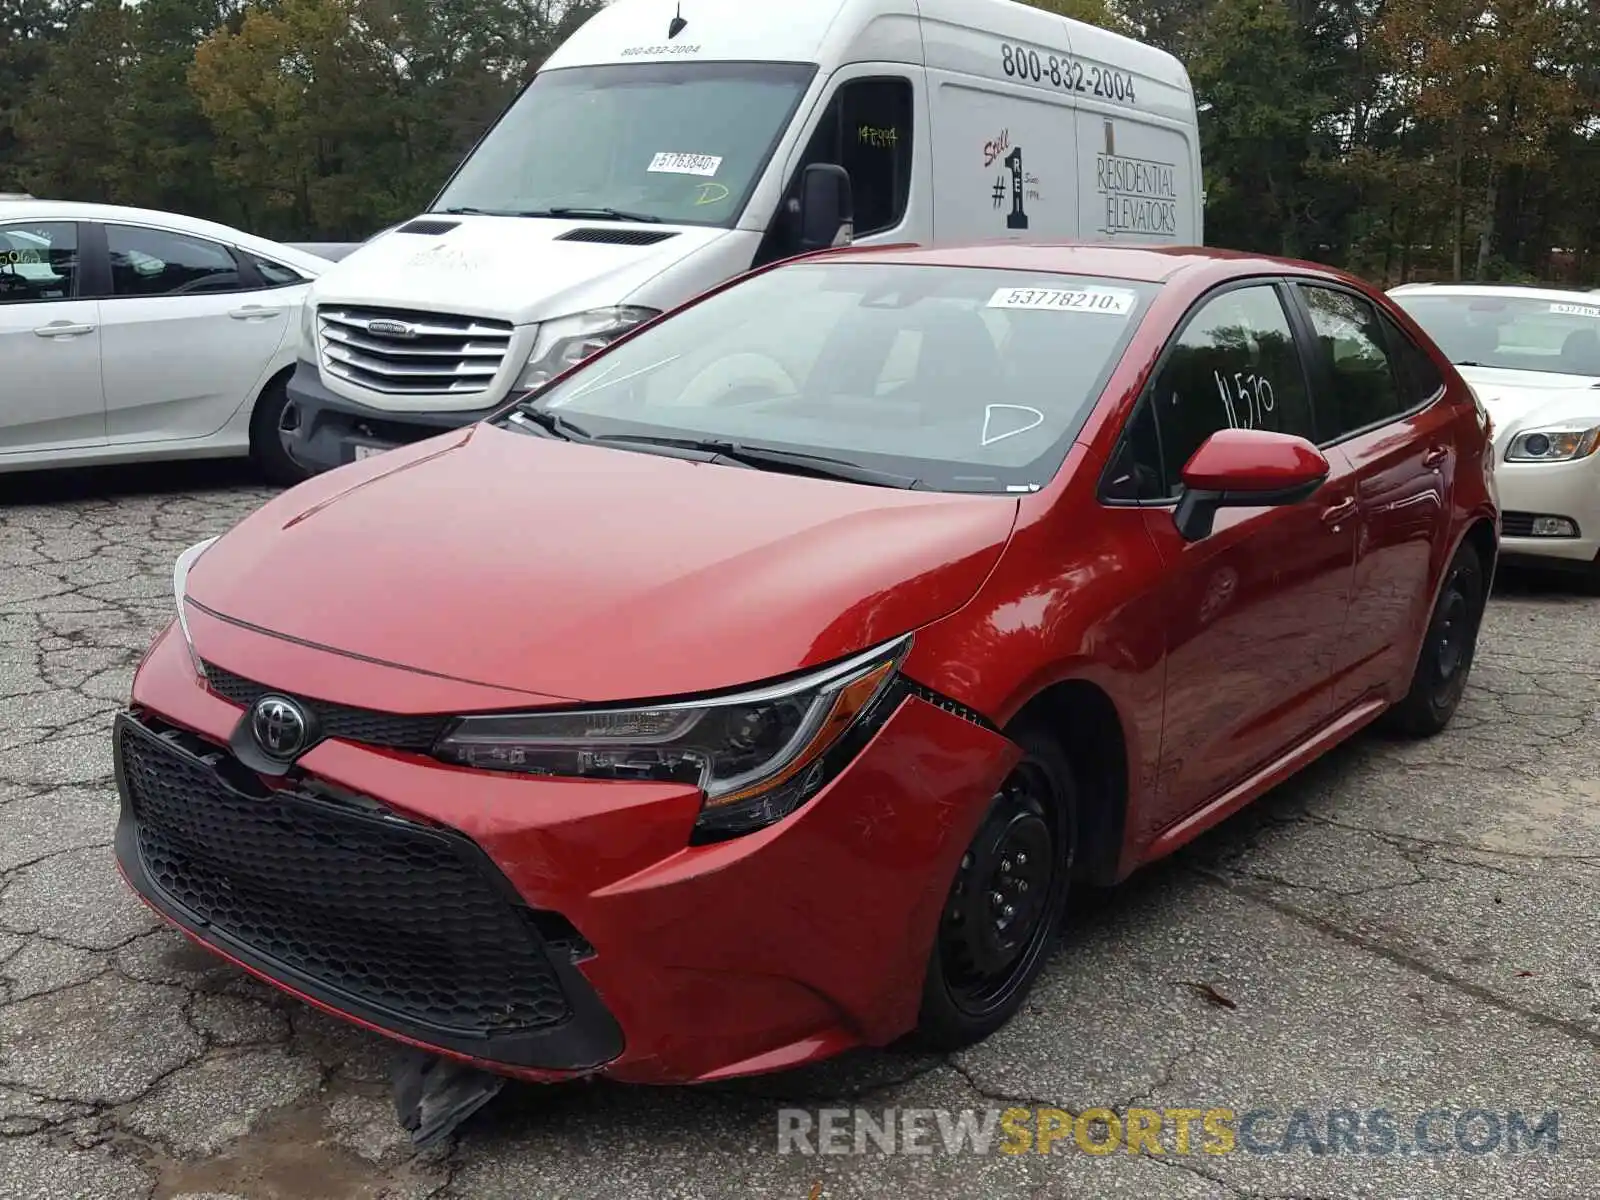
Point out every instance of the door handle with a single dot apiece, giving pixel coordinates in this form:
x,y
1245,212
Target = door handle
x,y
1435,456
253,312
63,329
1341,510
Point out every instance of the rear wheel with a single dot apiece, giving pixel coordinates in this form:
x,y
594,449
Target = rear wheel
x,y
266,444
1005,905
1448,648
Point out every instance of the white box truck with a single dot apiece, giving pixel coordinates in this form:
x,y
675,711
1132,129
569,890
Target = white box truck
x,y
669,146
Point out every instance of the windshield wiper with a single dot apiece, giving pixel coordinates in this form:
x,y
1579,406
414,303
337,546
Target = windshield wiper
x,y
564,211
763,457
551,422
608,214
484,212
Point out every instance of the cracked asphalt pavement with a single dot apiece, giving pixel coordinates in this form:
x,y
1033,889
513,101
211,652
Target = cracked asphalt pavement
x,y
1405,927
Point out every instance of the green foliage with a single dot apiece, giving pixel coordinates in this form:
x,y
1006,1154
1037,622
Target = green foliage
x,y
1399,138
1094,12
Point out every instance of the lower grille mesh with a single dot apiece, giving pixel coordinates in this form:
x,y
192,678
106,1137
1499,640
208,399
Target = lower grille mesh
x,y
407,918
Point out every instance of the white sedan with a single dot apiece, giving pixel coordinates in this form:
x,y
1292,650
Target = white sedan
x,y
1533,357
128,335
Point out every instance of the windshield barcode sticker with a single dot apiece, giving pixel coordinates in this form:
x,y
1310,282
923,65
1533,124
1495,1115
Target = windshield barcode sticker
x,y
1113,302
705,165
1576,310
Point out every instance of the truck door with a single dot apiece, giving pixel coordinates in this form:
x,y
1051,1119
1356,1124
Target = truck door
x,y
868,125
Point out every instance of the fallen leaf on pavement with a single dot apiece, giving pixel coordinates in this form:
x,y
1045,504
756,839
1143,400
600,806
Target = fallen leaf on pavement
x,y
1211,994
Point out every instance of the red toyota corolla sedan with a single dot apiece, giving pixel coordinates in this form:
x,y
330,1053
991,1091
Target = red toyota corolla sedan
x,y
756,689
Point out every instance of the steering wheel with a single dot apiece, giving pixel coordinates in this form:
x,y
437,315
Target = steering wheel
x,y
739,379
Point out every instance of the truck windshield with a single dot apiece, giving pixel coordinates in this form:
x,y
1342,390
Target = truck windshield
x,y
676,142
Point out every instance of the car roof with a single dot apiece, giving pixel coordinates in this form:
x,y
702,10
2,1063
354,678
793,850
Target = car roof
x,y
1522,290
1139,264
69,210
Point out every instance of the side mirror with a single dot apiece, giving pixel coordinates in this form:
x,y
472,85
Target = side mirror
x,y
1246,468
827,208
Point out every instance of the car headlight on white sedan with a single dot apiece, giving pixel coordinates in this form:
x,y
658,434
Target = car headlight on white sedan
x,y
566,341
755,755
1561,443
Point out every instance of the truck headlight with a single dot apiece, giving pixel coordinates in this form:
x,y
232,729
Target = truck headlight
x,y
308,330
180,592
1558,444
567,341
756,755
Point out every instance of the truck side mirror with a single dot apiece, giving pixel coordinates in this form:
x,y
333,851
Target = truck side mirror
x,y
827,209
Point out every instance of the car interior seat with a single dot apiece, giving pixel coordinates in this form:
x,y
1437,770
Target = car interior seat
x,y
1580,353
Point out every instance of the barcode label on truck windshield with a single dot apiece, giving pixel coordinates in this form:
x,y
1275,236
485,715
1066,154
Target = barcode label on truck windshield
x,y
705,165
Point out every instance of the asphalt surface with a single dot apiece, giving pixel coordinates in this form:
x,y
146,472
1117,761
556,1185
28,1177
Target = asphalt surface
x,y
1407,927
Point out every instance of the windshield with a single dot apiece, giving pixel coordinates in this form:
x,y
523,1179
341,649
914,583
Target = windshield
x,y
956,378
1516,333
676,142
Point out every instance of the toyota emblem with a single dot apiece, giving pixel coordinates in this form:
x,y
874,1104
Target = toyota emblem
x,y
280,726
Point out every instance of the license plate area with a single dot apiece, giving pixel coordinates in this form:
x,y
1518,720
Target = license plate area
x,y
363,450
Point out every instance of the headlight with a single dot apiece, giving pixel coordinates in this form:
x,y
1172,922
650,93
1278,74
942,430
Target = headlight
x,y
757,755
180,589
308,329
567,341
1562,444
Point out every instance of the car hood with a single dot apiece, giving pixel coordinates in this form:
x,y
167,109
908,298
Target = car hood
x,y
517,269
575,572
1519,400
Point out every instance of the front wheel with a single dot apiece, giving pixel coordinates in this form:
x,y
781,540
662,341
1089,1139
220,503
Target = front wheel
x,y
1005,905
1448,648
266,443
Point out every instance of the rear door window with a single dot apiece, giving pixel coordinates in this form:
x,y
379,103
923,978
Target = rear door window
x,y
156,262
1420,380
38,261
1364,385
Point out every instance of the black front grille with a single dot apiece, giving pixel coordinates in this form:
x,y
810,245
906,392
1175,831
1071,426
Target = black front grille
x,y
393,731
405,919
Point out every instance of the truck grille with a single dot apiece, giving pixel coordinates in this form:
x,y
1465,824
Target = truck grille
x,y
408,919
400,352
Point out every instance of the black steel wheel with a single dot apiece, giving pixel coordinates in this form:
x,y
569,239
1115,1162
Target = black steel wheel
x,y
1447,652
1004,906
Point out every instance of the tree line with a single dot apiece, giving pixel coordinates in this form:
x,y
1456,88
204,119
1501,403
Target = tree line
x,y
1402,139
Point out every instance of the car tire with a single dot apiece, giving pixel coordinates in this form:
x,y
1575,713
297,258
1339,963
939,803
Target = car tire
x,y
266,444
985,954
1447,652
